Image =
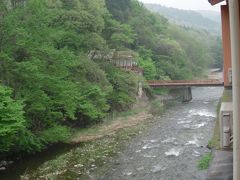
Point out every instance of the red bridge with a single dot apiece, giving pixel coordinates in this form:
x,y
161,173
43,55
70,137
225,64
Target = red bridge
x,y
186,83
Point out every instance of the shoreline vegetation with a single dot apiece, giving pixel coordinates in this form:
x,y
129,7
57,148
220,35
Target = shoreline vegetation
x,y
109,136
57,73
51,87
145,109
97,144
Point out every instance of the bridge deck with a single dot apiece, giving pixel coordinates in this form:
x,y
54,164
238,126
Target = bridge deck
x,y
180,83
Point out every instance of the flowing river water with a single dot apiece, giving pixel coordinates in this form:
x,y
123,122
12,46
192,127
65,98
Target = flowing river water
x,y
170,147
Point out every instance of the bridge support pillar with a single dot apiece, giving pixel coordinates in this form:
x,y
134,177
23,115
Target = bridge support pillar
x,y
187,94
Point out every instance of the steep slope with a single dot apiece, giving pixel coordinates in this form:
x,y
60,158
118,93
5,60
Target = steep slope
x,y
206,20
50,85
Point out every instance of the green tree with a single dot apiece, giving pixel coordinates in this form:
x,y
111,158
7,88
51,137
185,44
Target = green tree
x,y
217,53
44,48
149,68
12,119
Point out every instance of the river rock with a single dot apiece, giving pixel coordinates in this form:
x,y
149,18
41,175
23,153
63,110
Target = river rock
x,y
3,163
78,165
128,173
3,168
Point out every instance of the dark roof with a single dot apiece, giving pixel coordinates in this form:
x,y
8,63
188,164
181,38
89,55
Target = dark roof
x,y
213,2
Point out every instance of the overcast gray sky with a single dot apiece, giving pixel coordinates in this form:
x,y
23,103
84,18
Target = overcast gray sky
x,y
185,4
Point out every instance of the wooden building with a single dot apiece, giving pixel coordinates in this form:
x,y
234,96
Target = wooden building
x,y
122,59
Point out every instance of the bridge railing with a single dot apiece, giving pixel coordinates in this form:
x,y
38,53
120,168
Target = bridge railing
x,y
185,82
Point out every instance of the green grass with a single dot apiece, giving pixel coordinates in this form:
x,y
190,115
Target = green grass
x,y
204,162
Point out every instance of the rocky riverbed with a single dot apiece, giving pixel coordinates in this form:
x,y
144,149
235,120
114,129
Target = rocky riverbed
x,y
172,146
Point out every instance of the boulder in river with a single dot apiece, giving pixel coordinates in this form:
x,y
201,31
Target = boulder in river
x,y
3,168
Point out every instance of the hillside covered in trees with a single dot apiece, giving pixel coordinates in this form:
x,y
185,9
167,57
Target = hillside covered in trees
x,y
206,20
49,85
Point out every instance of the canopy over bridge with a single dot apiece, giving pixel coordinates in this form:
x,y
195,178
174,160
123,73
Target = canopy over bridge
x,y
186,83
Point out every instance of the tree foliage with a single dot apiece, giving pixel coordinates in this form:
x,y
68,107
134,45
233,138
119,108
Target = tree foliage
x,y
50,84
12,119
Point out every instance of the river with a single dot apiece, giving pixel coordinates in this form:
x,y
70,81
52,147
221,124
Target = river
x,y
172,146
168,150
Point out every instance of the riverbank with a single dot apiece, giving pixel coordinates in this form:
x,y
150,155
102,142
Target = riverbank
x,y
98,144
95,144
172,145
108,129
82,160
158,142
142,111
177,139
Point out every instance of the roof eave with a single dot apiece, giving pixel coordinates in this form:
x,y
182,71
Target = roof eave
x,y
213,2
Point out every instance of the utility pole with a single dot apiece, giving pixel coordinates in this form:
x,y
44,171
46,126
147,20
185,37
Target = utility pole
x,y
235,48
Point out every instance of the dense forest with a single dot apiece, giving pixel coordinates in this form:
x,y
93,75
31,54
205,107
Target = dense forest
x,y
49,85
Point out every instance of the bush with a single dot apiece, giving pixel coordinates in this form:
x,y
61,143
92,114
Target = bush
x,y
12,120
204,162
124,84
93,103
55,134
26,141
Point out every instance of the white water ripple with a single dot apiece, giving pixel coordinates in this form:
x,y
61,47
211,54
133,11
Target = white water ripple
x,y
196,153
149,156
195,141
173,152
169,140
150,146
157,168
201,112
184,122
195,126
